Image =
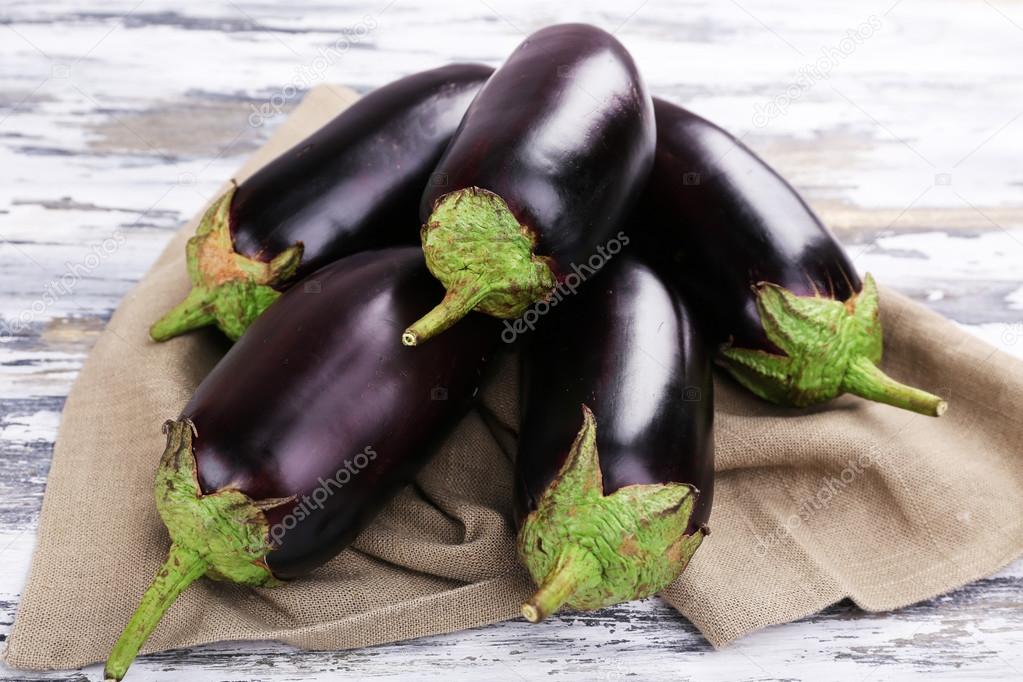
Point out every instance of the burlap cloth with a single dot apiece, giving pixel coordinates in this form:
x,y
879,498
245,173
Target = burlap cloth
x,y
848,500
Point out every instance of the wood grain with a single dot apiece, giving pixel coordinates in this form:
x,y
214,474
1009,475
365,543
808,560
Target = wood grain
x,y
118,120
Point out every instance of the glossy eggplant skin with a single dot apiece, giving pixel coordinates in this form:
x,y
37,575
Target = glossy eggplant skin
x,y
627,348
321,380
564,134
728,221
355,183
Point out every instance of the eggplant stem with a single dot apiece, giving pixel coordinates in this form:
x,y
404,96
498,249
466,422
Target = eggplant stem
x,y
575,568
182,567
863,378
193,312
475,246
457,303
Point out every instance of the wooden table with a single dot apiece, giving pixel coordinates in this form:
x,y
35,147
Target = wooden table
x,y
120,119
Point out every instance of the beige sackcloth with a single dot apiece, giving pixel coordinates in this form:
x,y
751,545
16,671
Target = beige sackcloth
x,y
850,499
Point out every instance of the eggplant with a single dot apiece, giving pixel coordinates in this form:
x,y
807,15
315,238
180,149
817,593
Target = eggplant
x,y
615,460
319,391
771,283
550,157
352,185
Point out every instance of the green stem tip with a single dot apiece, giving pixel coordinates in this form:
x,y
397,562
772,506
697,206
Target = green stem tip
x,y
181,569
228,289
485,259
588,550
863,378
829,348
460,300
575,568
195,311
223,535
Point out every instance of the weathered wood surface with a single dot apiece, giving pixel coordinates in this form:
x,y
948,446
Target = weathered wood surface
x,y
119,119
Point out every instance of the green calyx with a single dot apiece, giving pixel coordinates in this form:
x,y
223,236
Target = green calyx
x,y
484,258
224,536
831,347
228,289
588,550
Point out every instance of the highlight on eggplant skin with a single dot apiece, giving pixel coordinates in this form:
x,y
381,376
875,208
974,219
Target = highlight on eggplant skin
x,y
615,461
305,429
353,185
549,159
771,283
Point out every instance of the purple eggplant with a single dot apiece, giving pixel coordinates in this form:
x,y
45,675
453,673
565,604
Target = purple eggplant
x,y
771,283
615,463
305,429
548,160
353,185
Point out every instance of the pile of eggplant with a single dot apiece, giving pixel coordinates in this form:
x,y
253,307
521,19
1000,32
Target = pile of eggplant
x,y
627,244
